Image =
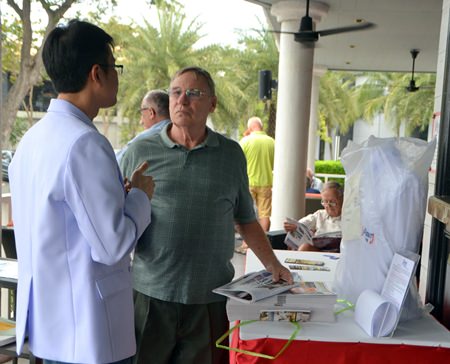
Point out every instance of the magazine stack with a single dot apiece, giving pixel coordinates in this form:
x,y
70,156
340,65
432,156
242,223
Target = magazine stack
x,y
255,297
311,301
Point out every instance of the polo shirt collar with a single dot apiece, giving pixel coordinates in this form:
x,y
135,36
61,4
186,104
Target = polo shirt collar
x,y
211,139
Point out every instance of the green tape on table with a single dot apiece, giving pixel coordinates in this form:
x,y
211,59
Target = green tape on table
x,y
348,306
297,328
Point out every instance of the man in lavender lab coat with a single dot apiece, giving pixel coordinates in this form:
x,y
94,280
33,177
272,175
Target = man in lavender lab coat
x,y
75,225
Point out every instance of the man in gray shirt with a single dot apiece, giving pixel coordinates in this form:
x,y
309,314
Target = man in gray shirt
x,y
202,195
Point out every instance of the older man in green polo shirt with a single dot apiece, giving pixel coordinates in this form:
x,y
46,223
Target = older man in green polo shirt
x,y
201,194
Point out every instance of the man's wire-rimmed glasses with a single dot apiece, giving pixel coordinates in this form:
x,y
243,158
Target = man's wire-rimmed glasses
x,y
329,203
191,93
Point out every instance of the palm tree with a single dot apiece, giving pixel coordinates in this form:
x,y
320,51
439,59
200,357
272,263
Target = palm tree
x,y
338,109
259,52
385,93
152,54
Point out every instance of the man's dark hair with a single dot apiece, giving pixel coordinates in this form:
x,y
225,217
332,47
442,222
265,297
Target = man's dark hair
x,y
70,51
199,72
160,99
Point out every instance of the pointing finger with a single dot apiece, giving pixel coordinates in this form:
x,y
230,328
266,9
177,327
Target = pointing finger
x,y
142,168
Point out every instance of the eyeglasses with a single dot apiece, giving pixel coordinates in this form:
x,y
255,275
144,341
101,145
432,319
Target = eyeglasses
x,y
142,109
191,93
329,203
118,67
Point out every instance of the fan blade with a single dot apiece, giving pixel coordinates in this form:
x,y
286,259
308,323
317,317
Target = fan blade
x,y
280,32
306,36
350,28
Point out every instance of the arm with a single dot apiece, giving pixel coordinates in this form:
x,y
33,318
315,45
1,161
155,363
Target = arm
x,y
109,220
256,239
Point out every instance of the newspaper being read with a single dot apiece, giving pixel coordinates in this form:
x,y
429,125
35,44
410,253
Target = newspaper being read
x,y
255,286
303,235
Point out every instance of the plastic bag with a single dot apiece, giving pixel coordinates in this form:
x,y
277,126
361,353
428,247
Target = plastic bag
x,y
385,199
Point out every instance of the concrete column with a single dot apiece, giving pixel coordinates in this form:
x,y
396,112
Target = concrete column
x,y
293,109
318,72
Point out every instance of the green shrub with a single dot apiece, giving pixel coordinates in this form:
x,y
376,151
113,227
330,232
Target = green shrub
x,y
330,167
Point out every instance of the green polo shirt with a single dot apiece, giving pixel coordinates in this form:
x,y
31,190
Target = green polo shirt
x,y
199,194
259,149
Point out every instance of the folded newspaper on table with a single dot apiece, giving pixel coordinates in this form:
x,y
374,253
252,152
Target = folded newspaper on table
x,y
310,301
255,286
303,235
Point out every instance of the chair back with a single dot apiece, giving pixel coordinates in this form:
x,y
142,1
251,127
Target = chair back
x,y
276,238
9,242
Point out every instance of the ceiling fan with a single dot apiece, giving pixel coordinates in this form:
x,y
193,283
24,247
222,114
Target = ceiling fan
x,y
412,83
308,36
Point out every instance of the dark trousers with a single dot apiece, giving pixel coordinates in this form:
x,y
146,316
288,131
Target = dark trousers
x,y
175,333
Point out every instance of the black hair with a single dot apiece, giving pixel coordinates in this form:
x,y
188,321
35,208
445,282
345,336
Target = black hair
x,y
71,50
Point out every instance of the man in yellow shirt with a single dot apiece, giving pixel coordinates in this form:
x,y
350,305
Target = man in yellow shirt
x,y
259,151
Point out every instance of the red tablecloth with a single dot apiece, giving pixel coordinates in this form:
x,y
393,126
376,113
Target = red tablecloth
x,y
317,352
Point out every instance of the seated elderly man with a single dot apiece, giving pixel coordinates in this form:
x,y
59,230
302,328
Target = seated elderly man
x,y
325,220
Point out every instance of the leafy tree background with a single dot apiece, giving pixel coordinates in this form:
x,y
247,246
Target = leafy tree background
x,y
152,52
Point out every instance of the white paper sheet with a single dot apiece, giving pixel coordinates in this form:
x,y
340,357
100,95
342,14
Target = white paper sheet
x,y
375,314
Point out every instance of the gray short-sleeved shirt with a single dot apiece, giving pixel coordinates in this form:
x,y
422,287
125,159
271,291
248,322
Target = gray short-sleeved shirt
x,y
199,195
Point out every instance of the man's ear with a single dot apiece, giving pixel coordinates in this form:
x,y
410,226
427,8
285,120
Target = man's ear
x,y
213,104
95,73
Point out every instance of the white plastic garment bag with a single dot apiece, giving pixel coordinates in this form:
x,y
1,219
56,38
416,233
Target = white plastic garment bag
x,y
384,208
